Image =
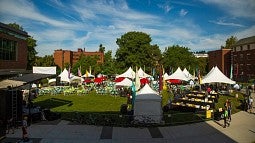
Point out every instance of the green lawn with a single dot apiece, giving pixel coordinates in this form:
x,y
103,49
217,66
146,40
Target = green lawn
x,y
89,103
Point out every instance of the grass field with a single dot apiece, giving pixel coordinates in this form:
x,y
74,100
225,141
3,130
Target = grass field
x,y
107,107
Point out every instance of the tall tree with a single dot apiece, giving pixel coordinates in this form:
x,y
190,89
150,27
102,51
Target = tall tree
x,y
230,42
31,44
135,50
31,52
177,56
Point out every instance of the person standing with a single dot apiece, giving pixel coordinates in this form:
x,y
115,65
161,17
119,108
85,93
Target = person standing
x,y
10,125
250,104
24,129
228,106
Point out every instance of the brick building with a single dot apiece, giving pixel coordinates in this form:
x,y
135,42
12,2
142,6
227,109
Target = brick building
x,y
66,56
13,49
222,59
243,59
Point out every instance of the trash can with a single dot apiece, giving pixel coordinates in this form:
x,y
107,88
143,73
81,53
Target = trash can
x,y
208,114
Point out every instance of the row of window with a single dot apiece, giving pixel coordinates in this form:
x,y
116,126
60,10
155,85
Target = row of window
x,y
8,49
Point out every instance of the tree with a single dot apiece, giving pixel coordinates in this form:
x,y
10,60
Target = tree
x,y
85,62
101,48
229,42
31,44
177,56
16,26
135,50
31,52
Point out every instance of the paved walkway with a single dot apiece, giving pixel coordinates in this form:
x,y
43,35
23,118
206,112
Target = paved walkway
x,y
241,130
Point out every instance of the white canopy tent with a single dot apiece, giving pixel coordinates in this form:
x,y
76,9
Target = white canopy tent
x,y
64,76
165,75
142,74
147,106
124,82
188,75
216,76
129,74
88,75
178,74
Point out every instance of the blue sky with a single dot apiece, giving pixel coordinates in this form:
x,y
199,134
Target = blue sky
x,y
196,24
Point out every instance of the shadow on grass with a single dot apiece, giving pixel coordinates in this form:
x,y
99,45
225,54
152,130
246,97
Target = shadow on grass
x,y
52,103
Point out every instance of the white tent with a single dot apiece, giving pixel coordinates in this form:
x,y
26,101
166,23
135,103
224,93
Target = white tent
x,y
178,74
147,106
165,75
129,74
188,75
216,76
88,75
125,82
64,76
76,78
209,72
142,74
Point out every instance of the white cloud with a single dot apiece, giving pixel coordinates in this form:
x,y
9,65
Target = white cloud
x,y
220,22
236,8
26,9
183,12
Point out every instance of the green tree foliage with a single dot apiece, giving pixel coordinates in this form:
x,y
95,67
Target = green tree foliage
x,y
85,62
109,64
177,56
135,50
101,48
31,44
45,61
16,26
31,52
230,42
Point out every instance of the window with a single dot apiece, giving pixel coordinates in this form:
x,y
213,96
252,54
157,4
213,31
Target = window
x,y
8,49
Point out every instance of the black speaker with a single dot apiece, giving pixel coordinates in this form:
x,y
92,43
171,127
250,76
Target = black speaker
x,y
58,81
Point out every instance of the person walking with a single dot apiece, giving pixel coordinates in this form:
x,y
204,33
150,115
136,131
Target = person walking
x,y
225,116
24,129
250,104
228,106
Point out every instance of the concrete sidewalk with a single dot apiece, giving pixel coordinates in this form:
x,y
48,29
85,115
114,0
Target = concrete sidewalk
x,y
242,129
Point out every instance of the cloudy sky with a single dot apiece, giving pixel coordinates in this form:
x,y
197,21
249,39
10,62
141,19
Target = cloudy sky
x,y
196,24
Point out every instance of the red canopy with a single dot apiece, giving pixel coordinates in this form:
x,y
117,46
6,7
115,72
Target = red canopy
x,y
144,81
98,80
87,80
119,79
174,81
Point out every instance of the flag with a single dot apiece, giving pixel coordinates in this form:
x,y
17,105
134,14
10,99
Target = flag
x,y
137,80
160,79
90,69
236,70
164,82
79,72
69,72
87,73
133,94
231,72
199,77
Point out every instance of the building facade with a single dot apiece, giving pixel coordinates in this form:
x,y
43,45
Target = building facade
x,y
243,59
13,49
66,56
222,59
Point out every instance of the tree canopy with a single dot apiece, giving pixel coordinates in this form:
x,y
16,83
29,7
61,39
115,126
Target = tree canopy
x,y
178,56
230,42
135,50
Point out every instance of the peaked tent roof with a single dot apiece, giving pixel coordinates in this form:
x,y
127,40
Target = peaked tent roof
x,y
165,75
146,90
129,74
209,72
64,76
216,75
125,82
178,74
186,72
142,74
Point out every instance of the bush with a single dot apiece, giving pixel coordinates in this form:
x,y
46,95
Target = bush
x,y
123,109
